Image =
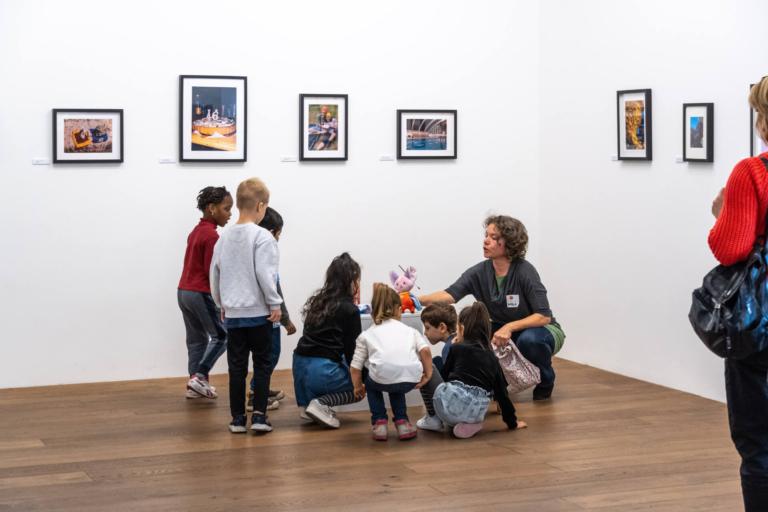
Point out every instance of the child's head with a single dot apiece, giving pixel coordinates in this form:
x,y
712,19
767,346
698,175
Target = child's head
x,y
216,204
253,198
439,322
385,303
272,222
475,325
342,281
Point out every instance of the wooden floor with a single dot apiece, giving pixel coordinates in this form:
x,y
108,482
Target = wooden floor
x,y
605,442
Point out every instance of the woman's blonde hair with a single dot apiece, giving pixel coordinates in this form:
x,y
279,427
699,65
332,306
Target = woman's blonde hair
x,y
385,303
758,100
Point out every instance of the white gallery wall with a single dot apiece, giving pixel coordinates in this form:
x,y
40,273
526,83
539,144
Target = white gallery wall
x,y
624,243
92,254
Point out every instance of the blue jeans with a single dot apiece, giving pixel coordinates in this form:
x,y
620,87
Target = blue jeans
x,y
317,376
375,393
274,356
206,336
746,391
537,345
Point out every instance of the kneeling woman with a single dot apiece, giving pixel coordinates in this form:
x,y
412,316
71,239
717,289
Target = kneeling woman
x,y
472,376
321,360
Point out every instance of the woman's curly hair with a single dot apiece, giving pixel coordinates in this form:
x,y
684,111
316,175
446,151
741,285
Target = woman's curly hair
x,y
513,233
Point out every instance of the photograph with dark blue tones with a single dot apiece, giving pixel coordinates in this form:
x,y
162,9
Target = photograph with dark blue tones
x,y
427,134
697,132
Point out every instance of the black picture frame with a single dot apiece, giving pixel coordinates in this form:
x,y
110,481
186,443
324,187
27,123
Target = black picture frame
x,y
450,139
69,150
226,139
756,144
622,151
707,135
319,143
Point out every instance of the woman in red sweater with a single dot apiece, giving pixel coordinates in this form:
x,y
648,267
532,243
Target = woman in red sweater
x,y
740,209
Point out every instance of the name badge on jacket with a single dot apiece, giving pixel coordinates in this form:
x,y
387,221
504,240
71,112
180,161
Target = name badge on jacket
x,y
513,301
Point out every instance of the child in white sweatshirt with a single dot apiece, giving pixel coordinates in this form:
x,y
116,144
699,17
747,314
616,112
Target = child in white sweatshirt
x,y
244,285
397,358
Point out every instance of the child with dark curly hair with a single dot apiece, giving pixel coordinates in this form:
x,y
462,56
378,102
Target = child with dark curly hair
x,y
206,337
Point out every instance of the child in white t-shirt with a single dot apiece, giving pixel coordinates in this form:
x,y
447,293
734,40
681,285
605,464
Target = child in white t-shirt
x,y
389,357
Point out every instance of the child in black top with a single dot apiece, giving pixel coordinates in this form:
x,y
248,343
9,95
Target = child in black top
x,y
459,395
321,376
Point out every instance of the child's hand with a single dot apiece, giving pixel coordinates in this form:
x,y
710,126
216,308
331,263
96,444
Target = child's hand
x,y
290,328
359,390
424,379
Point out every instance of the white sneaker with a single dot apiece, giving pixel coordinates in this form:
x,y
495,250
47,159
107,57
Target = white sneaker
x,y
201,387
303,414
430,423
276,394
272,404
191,394
322,414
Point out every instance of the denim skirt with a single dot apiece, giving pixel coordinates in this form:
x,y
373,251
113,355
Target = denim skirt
x,y
456,402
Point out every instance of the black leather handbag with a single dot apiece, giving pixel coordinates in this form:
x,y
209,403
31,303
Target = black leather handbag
x,y
730,311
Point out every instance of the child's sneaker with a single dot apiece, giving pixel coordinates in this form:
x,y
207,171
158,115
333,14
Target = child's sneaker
x,y
379,430
272,404
430,423
276,394
238,425
466,430
201,387
322,414
260,423
191,394
405,430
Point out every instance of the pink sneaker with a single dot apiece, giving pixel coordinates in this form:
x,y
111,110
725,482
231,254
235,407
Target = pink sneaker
x,y
379,430
405,430
466,430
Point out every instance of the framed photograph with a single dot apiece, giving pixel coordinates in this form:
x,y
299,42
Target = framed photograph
x,y
87,136
323,128
756,144
212,118
698,132
426,134
633,119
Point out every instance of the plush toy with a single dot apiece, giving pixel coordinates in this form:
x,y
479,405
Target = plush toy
x,y
403,285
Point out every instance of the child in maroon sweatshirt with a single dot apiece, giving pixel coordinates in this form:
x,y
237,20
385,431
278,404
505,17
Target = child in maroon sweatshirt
x,y
206,337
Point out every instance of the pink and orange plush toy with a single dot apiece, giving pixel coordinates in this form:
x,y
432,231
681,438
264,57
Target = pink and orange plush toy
x,y
403,285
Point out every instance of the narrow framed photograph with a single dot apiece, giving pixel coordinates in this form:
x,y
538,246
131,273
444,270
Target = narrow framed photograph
x,y
633,123
213,124
323,127
87,135
698,132
426,134
757,145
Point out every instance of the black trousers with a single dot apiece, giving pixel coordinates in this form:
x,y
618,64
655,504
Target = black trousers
x,y
242,341
746,390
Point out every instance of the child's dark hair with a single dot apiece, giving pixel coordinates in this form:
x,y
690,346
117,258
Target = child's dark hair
x,y
342,274
211,195
477,325
435,314
272,220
